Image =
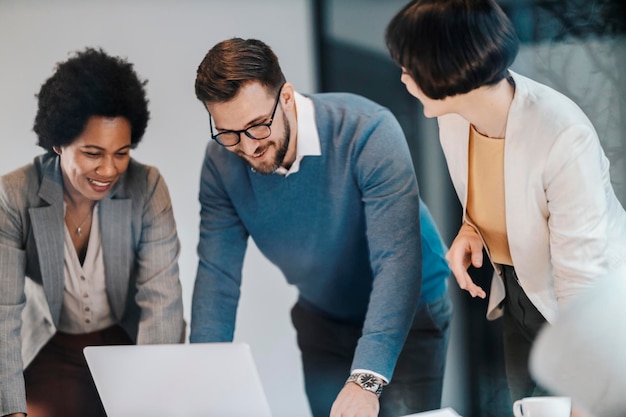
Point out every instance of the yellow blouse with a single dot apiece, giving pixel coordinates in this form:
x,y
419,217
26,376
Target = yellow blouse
x,y
485,199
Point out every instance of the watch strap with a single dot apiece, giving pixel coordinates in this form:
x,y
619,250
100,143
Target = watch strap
x,y
368,382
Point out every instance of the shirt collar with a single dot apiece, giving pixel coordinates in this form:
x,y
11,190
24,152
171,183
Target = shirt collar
x,y
307,138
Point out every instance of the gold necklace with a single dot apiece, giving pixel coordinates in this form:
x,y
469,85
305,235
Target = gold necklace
x,y
79,230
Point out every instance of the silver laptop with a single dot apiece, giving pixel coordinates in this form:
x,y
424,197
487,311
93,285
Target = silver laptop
x,y
191,380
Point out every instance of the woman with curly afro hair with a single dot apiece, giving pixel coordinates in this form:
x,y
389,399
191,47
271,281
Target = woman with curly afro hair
x,y
88,243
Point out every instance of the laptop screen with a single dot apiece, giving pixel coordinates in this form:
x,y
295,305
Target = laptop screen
x,y
191,380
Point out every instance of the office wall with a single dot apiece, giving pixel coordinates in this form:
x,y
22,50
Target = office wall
x,y
166,39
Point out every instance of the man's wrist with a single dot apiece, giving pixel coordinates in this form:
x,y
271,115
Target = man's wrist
x,y
369,371
367,381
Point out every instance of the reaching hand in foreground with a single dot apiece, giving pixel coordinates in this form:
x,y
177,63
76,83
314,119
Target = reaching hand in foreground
x,y
354,401
466,250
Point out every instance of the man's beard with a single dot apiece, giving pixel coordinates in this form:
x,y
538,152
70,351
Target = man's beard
x,y
280,153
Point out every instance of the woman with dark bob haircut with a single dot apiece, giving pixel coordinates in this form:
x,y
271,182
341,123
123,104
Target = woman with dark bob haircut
x,y
526,164
88,243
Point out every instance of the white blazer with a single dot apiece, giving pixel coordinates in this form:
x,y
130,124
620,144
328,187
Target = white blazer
x,y
565,226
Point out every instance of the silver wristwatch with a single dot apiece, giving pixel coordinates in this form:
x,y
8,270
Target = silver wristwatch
x,y
368,382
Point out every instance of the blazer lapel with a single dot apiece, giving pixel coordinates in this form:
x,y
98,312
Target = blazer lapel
x,y
47,223
115,230
454,137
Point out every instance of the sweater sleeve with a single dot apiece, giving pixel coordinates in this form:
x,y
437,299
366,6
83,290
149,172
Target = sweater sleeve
x,y
385,174
221,249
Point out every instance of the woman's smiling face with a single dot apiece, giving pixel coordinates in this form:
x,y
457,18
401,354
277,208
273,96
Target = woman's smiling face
x,y
96,159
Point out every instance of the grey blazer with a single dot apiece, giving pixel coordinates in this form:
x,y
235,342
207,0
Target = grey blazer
x,y
140,247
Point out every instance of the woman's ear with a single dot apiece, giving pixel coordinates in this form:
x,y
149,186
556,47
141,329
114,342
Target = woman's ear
x,y
57,150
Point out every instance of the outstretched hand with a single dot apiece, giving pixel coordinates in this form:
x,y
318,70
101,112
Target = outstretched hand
x,y
466,250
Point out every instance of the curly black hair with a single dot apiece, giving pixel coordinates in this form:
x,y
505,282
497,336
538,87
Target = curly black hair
x,y
90,83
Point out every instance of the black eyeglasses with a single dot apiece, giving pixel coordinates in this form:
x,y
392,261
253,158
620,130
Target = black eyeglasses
x,y
259,131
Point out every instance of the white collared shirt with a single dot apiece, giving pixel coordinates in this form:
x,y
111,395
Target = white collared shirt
x,y
307,137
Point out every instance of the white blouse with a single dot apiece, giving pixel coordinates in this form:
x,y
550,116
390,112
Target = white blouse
x,y
85,304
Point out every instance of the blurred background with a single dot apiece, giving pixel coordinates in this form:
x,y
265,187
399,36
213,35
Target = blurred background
x,y
576,46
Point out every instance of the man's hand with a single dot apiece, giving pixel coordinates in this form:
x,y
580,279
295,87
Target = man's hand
x,y
354,401
466,250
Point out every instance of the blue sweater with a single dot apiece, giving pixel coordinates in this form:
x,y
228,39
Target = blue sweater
x,y
344,230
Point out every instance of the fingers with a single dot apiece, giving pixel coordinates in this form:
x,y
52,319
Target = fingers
x,y
475,290
476,252
465,283
466,250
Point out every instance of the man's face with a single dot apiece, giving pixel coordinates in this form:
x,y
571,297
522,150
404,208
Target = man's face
x,y
252,106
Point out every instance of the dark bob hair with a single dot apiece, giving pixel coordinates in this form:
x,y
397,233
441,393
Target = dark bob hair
x,y
451,47
234,62
90,83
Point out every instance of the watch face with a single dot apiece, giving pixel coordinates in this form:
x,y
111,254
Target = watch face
x,y
369,381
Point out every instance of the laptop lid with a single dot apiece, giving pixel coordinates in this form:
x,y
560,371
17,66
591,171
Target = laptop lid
x,y
191,380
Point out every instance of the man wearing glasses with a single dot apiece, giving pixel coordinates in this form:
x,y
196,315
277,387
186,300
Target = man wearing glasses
x,y
325,186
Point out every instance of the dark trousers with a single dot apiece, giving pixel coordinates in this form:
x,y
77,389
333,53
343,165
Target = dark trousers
x,y
522,322
58,382
327,348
